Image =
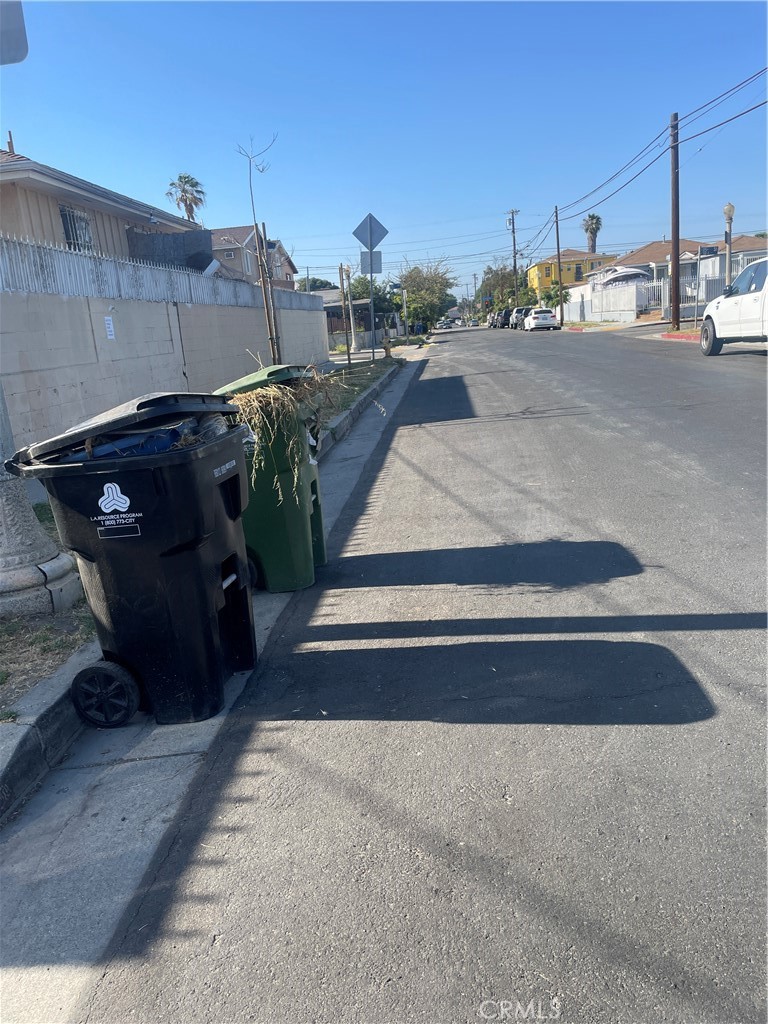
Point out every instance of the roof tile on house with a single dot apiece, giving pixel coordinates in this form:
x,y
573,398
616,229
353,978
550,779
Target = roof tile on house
x,y
6,156
221,237
573,254
659,252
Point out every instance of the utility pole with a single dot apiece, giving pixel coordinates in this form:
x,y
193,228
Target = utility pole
x,y
348,275
344,314
271,292
559,269
308,288
511,222
674,261
405,312
373,317
474,298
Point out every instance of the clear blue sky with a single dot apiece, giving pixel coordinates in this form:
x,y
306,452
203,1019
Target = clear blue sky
x,y
435,117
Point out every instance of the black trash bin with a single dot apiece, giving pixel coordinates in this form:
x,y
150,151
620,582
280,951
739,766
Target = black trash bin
x,y
149,497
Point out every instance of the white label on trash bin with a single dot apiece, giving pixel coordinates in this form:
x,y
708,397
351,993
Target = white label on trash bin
x,y
109,325
225,468
117,522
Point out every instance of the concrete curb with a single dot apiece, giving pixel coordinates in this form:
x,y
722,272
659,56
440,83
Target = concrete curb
x,y
47,724
46,727
341,425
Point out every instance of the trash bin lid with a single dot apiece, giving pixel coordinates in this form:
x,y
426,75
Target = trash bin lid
x,y
269,375
148,410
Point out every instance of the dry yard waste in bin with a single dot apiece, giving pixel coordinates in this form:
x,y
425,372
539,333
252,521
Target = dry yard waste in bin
x,y
283,523
149,497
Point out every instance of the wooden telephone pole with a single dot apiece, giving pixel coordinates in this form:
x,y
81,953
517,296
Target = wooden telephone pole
x,y
559,269
674,257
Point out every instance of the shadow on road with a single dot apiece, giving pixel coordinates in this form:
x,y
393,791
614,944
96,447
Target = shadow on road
x,y
436,400
564,682
478,680
551,565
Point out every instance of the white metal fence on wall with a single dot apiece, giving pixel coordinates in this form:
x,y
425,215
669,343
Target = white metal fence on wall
x,y
32,267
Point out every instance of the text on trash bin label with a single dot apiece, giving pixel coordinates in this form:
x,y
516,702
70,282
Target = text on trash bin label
x,y
221,470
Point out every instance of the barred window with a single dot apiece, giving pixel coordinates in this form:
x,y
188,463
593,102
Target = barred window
x,y
77,229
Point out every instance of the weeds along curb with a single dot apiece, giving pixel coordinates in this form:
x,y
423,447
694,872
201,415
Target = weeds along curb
x,y
47,724
341,425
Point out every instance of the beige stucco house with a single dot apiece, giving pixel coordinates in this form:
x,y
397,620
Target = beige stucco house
x,y
46,205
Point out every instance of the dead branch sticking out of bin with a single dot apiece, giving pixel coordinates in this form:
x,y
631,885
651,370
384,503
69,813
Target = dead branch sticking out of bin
x,y
274,410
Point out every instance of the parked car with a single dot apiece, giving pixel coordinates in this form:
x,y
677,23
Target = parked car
x,y
740,313
491,320
474,322
519,313
541,320
503,318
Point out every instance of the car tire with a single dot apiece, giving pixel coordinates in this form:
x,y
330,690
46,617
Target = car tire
x,y
709,342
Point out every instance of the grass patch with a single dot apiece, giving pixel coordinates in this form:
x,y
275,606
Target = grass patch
x,y
45,517
32,647
355,380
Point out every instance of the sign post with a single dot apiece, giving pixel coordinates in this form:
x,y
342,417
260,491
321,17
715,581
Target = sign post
x,y
369,232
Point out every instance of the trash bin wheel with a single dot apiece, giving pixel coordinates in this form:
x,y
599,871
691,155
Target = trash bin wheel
x,y
105,695
255,576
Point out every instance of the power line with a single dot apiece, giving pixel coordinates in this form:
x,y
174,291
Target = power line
x,y
705,107
723,96
727,121
614,176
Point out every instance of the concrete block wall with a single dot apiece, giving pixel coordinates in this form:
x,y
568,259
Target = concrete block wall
x,y
217,340
303,336
59,366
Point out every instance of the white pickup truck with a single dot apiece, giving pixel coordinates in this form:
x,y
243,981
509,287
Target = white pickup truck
x,y
740,313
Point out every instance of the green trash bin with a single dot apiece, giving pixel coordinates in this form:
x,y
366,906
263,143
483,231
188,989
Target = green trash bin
x,y
285,538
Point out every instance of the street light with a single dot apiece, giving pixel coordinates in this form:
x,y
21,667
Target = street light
x,y
728,211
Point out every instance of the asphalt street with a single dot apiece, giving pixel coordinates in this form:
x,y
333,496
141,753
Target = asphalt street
x,y
510,748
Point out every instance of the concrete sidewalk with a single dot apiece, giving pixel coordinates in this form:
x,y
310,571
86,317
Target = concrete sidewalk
x,y
47,724
76,852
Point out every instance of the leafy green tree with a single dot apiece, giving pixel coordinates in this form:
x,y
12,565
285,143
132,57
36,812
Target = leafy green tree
x,y
591,226
360,288
187,193
428,287
550,297
316,284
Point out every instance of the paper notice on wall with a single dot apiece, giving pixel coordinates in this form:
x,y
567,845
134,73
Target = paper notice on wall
x,y
110,328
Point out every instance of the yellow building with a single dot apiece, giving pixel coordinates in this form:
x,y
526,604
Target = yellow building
x,y
575,265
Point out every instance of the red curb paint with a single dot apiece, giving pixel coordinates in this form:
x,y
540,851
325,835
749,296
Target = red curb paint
x,y
681,337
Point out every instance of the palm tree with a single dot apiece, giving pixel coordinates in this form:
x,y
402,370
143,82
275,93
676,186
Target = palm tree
x,y
187,193
591,226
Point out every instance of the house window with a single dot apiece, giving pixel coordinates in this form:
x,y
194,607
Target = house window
x,y
229,255
579,272
568,269
547,271
77,229
247,257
